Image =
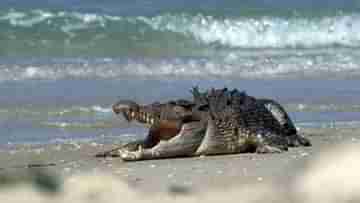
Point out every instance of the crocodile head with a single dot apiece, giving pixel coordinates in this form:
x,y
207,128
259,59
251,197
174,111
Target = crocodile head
x,y
129,109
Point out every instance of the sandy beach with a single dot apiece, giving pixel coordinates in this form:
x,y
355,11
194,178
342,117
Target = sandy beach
x,y
278,176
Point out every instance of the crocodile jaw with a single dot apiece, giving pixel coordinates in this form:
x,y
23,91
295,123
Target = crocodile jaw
x,y
127,108
185,143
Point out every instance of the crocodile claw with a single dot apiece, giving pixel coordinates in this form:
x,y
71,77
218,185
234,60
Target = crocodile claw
x,y
127,155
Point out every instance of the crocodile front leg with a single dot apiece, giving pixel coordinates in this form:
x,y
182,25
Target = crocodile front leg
x,y
131,146
185,143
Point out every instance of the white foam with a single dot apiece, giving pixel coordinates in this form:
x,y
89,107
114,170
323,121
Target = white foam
x,y
331,124
78,125
101,109
238,67
243,32
31,71
12,15
263,32
72,20
323,107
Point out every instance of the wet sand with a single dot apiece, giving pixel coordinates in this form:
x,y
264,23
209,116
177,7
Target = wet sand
x,y
278,172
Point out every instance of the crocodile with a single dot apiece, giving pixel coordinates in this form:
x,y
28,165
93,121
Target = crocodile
x,y
217,121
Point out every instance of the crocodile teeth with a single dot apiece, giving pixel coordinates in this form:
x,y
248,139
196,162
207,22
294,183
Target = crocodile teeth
x,y
144,117
132,114
147,118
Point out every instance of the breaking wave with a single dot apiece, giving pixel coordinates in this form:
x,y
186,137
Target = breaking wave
x,y
326,125
322,108
91,111
78,125
68,33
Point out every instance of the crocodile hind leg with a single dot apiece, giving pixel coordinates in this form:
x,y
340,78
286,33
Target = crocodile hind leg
x,y
183,144
270,142
218,140
288,130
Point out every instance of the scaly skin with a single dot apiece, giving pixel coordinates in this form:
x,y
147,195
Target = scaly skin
x,y
217,122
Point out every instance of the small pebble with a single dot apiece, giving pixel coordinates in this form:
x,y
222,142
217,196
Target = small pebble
x,y
38,151
304,154
152,166
57,148
200,170
259,178
75,165
189,183
245,171
137,179
76,145
94,144
12,152
67,169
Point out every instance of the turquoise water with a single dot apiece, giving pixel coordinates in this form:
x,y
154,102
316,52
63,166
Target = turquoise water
x,y
64,62
52,32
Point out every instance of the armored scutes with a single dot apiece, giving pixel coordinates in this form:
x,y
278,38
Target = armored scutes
x,y
218,121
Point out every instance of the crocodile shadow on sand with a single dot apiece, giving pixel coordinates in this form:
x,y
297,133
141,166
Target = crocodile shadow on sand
x,y
217,121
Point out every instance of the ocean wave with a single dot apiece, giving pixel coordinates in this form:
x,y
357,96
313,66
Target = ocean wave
x,y
75,33
322,108
326,125
339,64
265,32
39,112
78,125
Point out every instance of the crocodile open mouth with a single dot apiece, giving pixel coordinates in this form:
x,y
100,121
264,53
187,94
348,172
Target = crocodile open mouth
x,y
163,120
